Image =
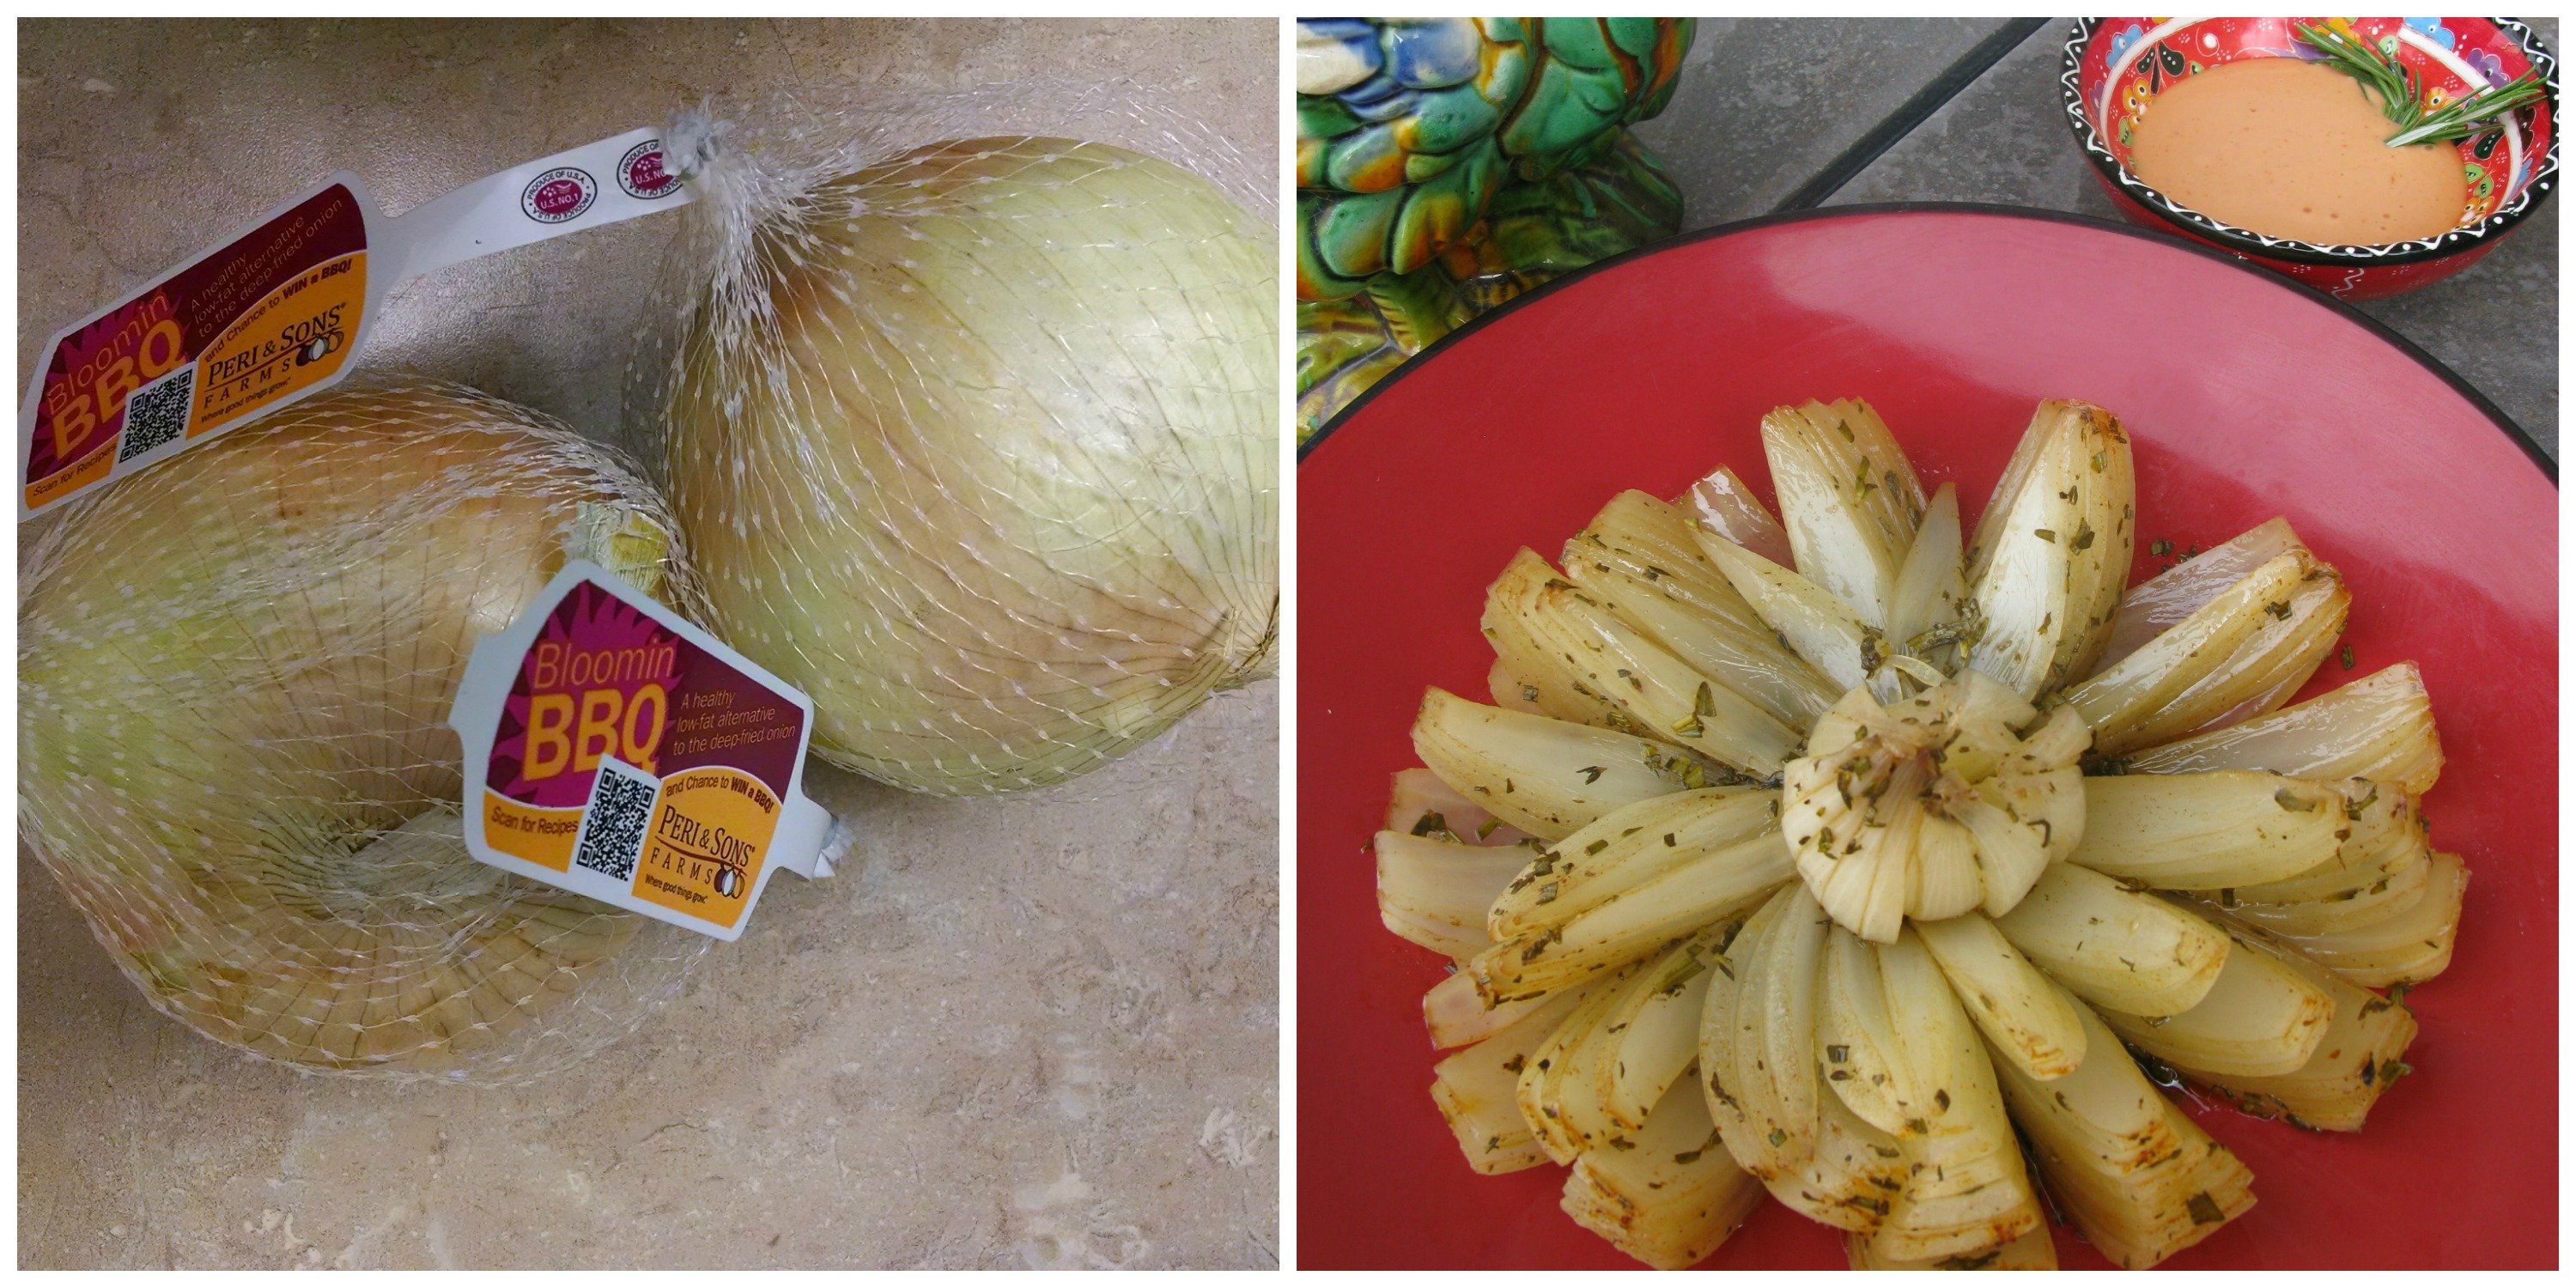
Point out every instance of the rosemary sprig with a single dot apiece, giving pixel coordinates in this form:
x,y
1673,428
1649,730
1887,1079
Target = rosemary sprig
x,y
2467,116
2401,96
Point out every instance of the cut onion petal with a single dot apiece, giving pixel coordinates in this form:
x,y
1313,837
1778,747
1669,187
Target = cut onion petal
x,y
2145,683
1477,1089
1966,1190
2010,855
2027,1020
1947,880
1510,692
1548,682
2408,947
1435,892
2383,837
1641,537
1419,804
2361,1053
1931,589
1757,1053
2207,831
1669,1195
1740,652
2259,1018
1728,508
2266,670
2379,726
2154,605
1809,619
1553,1095
2134,1173
2035,1249
1546,777
2052,550
2114,946
1624,679
1622,850
1657,1028
1456,1014
1848,499
1635,921
1851,1179
1858,1044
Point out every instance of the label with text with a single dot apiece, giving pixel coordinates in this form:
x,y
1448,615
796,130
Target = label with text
x,y
280,310
620,752
268,315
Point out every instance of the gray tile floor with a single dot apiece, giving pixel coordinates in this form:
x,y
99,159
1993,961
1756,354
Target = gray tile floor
x,y
1765,104
1744,131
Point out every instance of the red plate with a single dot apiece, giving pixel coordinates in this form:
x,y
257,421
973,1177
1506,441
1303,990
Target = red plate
x,y
2246,397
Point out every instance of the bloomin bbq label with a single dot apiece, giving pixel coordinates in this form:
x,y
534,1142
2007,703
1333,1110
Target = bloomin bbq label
x,y
626,752
267,316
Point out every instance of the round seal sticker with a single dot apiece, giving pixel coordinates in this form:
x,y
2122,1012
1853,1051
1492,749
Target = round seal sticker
x,y
641,174
558,195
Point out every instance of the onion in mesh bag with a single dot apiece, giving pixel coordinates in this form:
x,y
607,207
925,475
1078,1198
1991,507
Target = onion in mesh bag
x,y
234,670
979,447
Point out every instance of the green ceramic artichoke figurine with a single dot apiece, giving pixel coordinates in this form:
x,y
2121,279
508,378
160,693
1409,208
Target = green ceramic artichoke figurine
x,y
1445,165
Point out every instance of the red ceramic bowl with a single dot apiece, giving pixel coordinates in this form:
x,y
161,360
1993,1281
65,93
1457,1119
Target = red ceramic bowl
x,y
2116,66
2246,398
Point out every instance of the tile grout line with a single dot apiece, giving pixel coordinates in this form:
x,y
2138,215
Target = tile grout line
x,y
1910,114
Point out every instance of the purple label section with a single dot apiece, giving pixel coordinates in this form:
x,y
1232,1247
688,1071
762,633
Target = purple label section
x,y
603,678
720,716
89,374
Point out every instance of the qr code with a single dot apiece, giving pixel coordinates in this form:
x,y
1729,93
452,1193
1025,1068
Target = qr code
x,y
612,829
157,413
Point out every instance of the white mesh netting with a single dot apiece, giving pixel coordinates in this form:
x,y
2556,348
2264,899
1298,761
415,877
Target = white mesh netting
x,y
234,672
974,427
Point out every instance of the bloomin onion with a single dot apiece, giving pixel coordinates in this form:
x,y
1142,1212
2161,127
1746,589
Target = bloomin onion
x,y
1887,842
235,670
978,446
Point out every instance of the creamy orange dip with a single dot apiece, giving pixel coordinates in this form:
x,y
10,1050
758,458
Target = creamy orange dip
x,y
2289,148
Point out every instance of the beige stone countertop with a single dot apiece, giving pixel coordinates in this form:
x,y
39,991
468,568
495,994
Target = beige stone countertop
x,y
1033,1030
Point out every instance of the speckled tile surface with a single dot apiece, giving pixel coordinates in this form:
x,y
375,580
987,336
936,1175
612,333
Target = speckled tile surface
x,y
2005,139
1765,103
1034,1031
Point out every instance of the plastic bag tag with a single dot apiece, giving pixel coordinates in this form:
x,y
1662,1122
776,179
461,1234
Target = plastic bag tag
x,y
279,310
614,750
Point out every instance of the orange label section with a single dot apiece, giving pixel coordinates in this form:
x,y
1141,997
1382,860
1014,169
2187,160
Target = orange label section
x,y
90,469
295,337
539,835
704,851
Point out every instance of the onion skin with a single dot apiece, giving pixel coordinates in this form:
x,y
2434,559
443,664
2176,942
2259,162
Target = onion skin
x,y
235,670
979,448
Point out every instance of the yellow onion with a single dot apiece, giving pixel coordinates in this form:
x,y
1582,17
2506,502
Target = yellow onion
x,y
234,672
979,447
